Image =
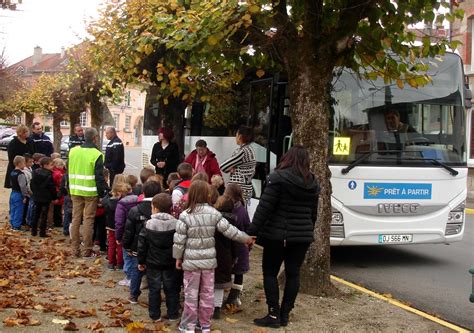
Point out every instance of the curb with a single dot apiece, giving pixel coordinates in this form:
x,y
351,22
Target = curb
x,y
401,305
469,211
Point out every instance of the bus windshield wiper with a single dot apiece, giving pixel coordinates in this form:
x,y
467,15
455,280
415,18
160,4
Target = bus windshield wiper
x,y
366,155
451,171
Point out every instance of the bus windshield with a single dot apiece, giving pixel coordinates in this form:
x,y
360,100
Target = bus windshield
x,y
409,126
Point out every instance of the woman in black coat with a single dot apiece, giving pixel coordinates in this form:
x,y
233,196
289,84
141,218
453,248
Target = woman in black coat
x,y
284,224
165,154
20,145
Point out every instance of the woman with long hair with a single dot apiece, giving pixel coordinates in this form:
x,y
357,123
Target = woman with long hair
x,y
241,165
284,224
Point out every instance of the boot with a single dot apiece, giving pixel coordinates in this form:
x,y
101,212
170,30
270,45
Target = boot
x,y
272,319
284,317
234,295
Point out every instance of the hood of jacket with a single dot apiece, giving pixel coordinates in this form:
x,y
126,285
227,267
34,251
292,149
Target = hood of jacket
x,y
161,222
291,176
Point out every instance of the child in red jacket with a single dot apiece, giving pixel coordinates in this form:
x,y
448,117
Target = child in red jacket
x,y
58,172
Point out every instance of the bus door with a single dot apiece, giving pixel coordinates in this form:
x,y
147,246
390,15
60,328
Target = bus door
x,y
269,116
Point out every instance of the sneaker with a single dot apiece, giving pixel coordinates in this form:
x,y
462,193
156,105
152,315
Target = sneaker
x,y
217,313
173,318
133,300
205,329
89,254
119,267
111,267
269,320
157,320
184,330
124,282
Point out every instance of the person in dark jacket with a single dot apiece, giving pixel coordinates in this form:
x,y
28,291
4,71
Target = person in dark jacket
x,y
203,160
41,142
223,271
114,154
155,256
165,154
284,224
18,194
78,138
137,216
44,191
19,146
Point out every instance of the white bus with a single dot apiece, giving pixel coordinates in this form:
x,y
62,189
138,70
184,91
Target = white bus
x,y
398,157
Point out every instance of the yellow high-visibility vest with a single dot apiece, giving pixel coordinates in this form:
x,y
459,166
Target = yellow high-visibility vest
x,y
81,171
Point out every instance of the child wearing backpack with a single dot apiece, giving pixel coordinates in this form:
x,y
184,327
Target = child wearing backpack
x,y
185,173
155,257
136,219
195,254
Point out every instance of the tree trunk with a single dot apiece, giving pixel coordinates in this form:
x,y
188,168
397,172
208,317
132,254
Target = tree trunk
x,y
308,85
29,119
173,117
57,118
74,118
97,115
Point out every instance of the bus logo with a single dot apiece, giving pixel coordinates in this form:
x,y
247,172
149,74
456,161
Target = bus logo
x,y
397,191
373,191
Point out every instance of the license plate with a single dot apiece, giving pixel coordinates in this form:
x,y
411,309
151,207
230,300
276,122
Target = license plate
x,y
395,239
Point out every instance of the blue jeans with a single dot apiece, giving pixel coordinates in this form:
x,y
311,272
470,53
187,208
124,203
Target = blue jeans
x,y
16,209
171,286
127,263
135,277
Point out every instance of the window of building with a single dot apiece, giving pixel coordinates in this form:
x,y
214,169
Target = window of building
x,y
127,99
116,120
128,120
83,119
17,120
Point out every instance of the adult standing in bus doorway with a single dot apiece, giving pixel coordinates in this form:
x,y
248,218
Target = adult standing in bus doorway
x,y
78,138
241,165
165,154
86,185
114,154
41,142
19,146
284,225
203,160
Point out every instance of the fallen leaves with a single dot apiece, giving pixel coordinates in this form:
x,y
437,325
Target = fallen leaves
x,y
231,320
70,326
22,318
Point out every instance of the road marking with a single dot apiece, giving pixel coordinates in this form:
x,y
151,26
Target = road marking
x,y
470,211
400,305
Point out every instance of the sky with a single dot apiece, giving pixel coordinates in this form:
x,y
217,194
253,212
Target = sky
x,y
50,24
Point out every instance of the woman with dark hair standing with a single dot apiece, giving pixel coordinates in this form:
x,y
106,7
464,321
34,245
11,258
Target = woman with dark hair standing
x,y
284,224
165,154
241,165
19,146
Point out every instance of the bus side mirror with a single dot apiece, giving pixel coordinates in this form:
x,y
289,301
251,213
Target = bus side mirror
x,y
468,98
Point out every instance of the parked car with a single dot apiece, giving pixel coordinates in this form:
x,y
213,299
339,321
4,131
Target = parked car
x,y
64,146
5,141
6,131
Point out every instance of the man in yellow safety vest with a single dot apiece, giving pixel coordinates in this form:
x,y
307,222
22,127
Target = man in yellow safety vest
x,y
86,186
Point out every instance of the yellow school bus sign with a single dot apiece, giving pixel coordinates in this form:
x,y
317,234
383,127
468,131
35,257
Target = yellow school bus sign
x,y
341,145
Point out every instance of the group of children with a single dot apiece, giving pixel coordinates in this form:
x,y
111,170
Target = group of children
x,y
178,236
36,191
190,234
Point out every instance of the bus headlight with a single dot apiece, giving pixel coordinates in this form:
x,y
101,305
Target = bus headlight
x,y
337,224
455,220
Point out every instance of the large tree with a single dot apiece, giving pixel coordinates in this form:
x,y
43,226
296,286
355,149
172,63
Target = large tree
x,y
188,47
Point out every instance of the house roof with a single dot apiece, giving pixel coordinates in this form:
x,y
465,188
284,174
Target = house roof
x,y
50,62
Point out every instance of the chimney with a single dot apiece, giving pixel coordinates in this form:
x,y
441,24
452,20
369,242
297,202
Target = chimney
x,y
63,52
37,54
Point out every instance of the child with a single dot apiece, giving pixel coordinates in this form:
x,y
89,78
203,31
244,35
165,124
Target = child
x,y
185,173
124,205
223,272
36,161
218,183
19,192
133,181
58,173
155,255
100,232
55,156
144,175
114,251
173,179
27,214
44,191
200,176
241,253
137,217
194,241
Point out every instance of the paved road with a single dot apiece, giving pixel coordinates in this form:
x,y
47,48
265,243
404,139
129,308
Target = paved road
x,y
133,160
433,278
